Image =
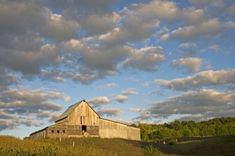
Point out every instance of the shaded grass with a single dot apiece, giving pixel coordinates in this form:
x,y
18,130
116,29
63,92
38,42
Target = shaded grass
x,y
211,146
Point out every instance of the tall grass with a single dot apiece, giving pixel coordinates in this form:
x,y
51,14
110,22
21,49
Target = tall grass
x,y
10,146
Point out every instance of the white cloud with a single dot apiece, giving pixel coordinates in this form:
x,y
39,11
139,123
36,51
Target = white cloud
x,y
121,98
145,58
201,3
195,102
215,47
109,112
140,21
191,64
100,24
24,106
209,28
193,16
187,45
157,9
125,95
231,9
25,100
136,110
230,24
129,91
201,79
100,100
108,85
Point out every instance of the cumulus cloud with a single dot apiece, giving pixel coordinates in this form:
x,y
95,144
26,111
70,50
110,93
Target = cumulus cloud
x,y
15,122
230,25
121,98
201,79
109,112
201,3
100,100
30,101
231,9
129,91
26,106
108,85
145,58
4,124
140,21
215,47
81,6
136,110
6,78
207,102
96,60
187,45
209,28
25,33
124,95
191,64
51,116
193,16
158,9
99,24
57,41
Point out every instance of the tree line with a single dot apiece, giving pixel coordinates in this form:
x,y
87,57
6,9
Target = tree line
x,y
179,129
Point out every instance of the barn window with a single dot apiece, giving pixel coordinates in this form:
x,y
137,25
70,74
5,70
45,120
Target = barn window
x,y
80,119
63,131
52,131
58,131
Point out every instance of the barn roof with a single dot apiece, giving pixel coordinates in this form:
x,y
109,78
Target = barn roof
x,y
70,109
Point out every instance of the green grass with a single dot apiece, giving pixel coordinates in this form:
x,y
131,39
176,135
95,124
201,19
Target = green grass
x,y
10,146
224,145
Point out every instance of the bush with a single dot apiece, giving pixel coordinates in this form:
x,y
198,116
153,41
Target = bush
x,y
151,151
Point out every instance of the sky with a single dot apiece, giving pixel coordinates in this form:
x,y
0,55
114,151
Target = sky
x,y
134,61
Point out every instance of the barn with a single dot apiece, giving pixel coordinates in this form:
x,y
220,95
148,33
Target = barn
x,y
80,120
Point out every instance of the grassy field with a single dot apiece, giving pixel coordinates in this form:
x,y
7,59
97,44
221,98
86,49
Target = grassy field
x,y
224,145
10,146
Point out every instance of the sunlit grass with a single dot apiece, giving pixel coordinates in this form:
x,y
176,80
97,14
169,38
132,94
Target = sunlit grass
x,y
68,147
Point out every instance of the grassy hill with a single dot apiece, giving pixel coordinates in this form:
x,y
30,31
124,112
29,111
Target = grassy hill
x,y
10,146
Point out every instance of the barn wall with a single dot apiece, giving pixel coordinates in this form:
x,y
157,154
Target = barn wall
x,y
57,131
83,115
39,134
64,131
110,129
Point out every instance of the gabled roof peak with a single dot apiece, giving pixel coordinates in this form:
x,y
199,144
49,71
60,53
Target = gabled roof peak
x,y
71,108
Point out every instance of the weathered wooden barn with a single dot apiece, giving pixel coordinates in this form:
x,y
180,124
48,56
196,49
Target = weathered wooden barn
x,y
80,120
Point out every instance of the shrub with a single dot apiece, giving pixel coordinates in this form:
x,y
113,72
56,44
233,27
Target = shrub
x,y
150,150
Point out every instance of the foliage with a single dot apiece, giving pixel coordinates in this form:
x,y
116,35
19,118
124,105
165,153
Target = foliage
x,y
177,129
150,150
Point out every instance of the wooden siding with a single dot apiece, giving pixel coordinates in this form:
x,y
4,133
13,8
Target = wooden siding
x,y
83,114
110,129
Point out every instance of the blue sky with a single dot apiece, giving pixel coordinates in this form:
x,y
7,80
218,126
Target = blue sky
x,y
138,61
